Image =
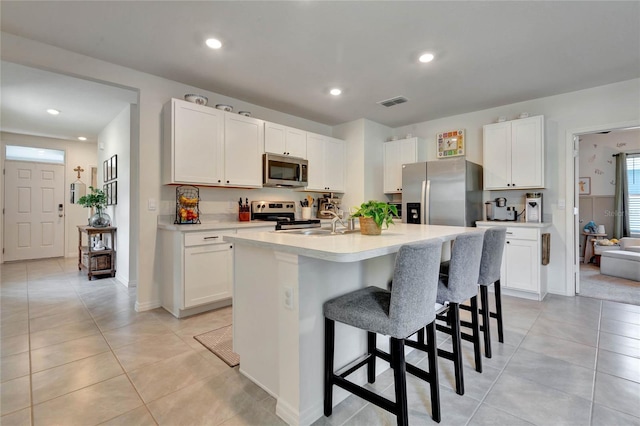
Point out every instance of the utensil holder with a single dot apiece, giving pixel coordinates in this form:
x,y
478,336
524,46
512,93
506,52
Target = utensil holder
x,y
244,214
306,213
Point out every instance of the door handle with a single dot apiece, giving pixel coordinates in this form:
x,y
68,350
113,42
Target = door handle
x,y
60,210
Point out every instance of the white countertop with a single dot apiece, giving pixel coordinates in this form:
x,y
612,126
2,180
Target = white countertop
x,y
349,247
213,225
510,223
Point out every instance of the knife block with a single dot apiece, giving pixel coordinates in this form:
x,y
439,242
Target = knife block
x,y
244,214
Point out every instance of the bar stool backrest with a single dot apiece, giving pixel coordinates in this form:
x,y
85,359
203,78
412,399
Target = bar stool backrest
x,y
492,250
464,267
415,284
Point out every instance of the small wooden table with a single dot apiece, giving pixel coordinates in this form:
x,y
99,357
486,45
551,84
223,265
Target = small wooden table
x,y
588,244
97,262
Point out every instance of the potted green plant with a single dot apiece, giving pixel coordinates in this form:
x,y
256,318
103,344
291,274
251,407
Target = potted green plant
x,y
98,199
373,214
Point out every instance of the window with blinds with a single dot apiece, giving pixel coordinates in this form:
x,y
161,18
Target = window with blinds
x,y
633,180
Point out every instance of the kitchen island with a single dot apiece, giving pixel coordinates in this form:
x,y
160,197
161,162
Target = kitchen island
x,y
281,281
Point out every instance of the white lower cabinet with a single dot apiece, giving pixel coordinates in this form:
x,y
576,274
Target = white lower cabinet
x,y
522,273
197,271
207,273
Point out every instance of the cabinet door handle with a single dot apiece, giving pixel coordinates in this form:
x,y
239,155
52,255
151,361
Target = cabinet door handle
x,y
210,238
508,242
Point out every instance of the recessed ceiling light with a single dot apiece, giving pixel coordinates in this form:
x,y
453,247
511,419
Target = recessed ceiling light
x,y
53,111
214,43
82,138
335,92
426,57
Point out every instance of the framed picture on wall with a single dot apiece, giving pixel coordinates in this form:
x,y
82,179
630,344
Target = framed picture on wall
x,y
110,168
584,185
114,167
111,191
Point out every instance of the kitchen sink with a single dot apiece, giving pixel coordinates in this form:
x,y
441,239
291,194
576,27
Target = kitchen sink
x,y
317,232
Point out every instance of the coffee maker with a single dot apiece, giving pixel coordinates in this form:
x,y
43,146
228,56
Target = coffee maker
x,y
328,203
533,207
498,210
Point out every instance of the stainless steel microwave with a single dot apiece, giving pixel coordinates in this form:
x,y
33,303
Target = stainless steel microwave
x,y
284,171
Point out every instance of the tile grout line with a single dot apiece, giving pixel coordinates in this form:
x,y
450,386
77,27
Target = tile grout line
x,y
117,360
595,365
482,401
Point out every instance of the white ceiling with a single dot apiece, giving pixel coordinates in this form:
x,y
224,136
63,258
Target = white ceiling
x,y
85,107
286,55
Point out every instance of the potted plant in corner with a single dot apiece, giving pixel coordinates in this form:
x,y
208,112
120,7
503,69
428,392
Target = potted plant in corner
x,y
373,214
98,199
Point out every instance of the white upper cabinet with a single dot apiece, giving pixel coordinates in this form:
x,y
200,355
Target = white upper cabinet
x,y
513,154
193,144
207,146
397,153
243,149
326,158
284,140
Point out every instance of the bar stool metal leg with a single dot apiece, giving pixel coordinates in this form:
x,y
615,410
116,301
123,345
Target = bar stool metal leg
x,y
498,314
486,326
399,373
475,333
433,371
329,334
371,349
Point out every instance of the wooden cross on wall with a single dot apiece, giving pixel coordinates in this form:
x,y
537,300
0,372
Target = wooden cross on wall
x,y
78,169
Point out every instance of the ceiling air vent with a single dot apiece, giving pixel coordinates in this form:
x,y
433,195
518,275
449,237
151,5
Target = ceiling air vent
x,y
393,101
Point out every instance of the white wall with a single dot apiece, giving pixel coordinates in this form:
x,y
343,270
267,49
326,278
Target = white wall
x,y
145,146
364,163
597,162
81,154
115,139
565,114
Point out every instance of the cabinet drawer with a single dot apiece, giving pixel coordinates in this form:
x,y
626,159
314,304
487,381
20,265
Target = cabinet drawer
x,y
522,234
206,237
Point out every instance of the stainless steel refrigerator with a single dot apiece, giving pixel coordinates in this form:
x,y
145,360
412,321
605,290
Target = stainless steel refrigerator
x,y
442,192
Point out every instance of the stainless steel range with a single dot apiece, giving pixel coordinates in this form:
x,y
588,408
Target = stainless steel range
x,y
282,212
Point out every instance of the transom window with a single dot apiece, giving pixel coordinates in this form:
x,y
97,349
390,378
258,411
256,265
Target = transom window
x,y
40,155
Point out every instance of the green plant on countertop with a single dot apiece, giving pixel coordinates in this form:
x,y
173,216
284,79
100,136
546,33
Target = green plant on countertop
x,y
381,212
97,198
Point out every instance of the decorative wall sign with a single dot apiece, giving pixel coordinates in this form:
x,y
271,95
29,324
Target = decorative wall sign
x,y
584,185
451,144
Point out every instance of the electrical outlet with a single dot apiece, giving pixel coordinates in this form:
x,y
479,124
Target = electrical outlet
x,y
288,298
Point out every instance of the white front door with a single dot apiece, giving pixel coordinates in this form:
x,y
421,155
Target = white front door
x,y
34,216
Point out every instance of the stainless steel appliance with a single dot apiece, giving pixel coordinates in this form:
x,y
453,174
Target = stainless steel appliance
x,y
284,171
328,204
398,207
498,210
281,212
442,192
533,207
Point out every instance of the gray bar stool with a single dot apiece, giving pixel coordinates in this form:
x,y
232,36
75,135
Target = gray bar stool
x,y
492,250
454,288
399,313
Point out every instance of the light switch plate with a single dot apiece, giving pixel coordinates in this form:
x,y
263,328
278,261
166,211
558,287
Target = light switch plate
x,y
151,205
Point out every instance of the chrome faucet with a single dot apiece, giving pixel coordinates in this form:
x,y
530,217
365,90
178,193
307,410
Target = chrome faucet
x,y
334,221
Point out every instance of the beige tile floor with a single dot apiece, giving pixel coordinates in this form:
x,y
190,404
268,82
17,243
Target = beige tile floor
x,y
75,352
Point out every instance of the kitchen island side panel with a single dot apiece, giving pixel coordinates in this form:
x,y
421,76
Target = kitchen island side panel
x,y
282,348
255,315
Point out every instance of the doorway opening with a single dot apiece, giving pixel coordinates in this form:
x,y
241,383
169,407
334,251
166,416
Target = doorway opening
x,y
595,187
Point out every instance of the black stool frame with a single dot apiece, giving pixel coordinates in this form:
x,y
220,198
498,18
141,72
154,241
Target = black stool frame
x,y
397,361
